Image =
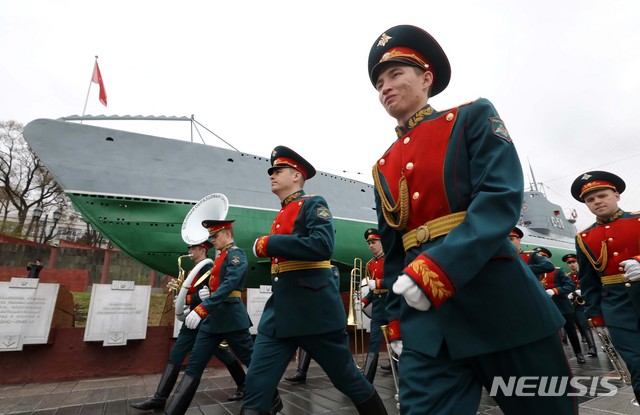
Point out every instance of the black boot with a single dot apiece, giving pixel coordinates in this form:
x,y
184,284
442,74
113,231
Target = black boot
x,y
580,358
370,365
593,351
372,406
183,396
303,366
276,404
157,402
238,375
636,401
386,367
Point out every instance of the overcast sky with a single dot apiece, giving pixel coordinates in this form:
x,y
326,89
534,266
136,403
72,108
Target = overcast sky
x,y
564,75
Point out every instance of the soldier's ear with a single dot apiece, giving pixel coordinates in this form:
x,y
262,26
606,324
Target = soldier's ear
x,y
427,81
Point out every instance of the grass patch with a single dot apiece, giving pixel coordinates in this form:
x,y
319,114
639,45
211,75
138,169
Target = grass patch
x,y
81,308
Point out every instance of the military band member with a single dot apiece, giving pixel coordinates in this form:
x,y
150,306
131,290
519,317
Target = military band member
x,y
558,286
448,192
377,297
608,252
186,339
578,304
538,264
220,316
305,308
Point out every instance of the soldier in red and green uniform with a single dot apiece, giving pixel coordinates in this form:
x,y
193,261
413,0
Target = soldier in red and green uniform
x,y
558,286
186,339
305,308
465,309
220,316
538,264
608,254
576,297
377,297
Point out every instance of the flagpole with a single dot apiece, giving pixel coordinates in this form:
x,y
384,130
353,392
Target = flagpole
x,y
89,89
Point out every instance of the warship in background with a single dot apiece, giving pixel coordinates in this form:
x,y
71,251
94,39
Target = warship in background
x,y
136,189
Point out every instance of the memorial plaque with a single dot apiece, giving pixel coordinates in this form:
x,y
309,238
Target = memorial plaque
x,y
26,311
256,299
118,312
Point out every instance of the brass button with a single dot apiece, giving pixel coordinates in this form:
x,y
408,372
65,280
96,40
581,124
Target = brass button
x,y
422,234
607,227
275,279
615,254
449,116
584,235
610,239
381,162
277,226
275,260
407,139
300,203
416,195
409,165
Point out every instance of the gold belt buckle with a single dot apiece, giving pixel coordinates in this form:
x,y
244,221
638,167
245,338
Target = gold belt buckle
x,y
276,266
422,234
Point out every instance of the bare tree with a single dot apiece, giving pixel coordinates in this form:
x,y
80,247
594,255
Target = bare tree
x,y
24,181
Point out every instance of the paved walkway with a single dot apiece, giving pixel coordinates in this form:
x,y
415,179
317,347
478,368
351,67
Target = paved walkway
x,y
318,396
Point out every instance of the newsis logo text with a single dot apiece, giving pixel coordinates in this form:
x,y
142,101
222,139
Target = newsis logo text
x,y
553,386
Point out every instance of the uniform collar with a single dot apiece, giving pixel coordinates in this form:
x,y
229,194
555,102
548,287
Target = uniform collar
x,y
292,197
227,246
379,256
416,119
613,217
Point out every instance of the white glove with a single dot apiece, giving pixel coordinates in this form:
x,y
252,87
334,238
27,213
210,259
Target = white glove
x,y
204,293
192,320
631,269
570,296
186,310
396,346
412,294
372,284
550,292
578,292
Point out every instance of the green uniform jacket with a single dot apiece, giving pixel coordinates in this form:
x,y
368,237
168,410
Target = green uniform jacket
x,y
559,282
303,302
484,297
226,314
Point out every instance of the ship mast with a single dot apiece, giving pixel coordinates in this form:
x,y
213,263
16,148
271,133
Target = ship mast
x,y
534,185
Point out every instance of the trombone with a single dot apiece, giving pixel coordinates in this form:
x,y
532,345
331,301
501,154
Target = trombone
x,y
612,353
355,318
393,360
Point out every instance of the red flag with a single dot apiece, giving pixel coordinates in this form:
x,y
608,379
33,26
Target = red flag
x,y
97,78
